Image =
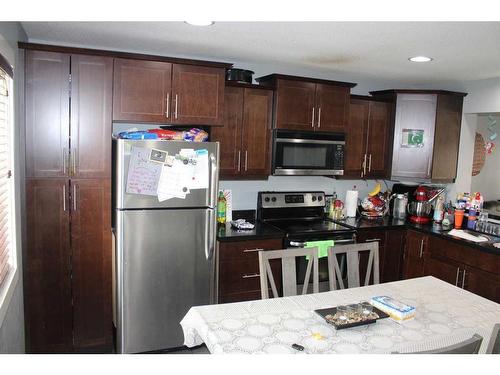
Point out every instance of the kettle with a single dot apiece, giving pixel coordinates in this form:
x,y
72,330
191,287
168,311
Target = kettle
x,y
399,206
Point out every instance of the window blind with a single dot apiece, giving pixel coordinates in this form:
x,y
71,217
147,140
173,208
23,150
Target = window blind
x,y
5,174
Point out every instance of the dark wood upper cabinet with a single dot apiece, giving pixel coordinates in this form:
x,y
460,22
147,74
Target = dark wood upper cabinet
x,y
229,135
332,103
426,134
294,105
368,138
245,138
165,93
309,104
91,103
91,260
47,114
142,91
378,139
47,267
356,138
198,95
256,136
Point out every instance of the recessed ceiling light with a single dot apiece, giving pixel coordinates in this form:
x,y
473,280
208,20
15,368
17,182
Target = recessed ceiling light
x,y
420,59
199,22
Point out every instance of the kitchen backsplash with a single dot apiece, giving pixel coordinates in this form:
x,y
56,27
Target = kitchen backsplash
x,y
244,193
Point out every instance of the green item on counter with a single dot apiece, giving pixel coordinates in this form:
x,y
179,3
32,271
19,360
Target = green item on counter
x,y
321,245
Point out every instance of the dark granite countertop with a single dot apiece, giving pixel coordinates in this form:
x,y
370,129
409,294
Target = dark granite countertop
x,y
360,223
260,231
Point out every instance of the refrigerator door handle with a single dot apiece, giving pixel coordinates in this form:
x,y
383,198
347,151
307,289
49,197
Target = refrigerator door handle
x,y
213,181
210,234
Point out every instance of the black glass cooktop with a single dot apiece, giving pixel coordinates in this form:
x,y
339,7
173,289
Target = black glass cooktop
x,y
305,226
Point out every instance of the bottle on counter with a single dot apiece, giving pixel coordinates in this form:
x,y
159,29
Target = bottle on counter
x,y
221,208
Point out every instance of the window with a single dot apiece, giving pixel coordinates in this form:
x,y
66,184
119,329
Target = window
x,y
7,258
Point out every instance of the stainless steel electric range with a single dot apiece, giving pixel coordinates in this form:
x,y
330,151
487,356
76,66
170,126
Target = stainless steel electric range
x,y
301,216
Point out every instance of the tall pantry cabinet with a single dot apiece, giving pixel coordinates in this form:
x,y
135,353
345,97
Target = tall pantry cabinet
x,y
67,259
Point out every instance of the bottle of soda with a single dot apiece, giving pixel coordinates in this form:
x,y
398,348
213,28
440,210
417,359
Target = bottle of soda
x,y
221,208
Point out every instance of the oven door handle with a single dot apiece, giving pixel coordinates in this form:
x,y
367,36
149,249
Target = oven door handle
x,y
302,244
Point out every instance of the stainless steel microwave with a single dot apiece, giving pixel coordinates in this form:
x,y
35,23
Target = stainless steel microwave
x,y
297,153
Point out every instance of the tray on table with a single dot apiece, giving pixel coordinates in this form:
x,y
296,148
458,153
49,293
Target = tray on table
x,y
332,310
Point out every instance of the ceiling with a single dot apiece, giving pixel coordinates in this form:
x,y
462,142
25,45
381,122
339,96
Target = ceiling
x,y
462,51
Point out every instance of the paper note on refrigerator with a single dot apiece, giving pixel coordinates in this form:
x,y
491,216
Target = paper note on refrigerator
x,y
143,175
200,176
174,181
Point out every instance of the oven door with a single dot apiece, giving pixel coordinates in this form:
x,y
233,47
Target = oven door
x,y
308,153
301,262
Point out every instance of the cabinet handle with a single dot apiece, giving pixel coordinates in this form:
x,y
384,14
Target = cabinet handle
x,y
246,160
73,157
364,165
239,160
176,104
167,112
64,197
463,279
370,163
421,248
319,117
65,162
74,198
373,240
458,273
252,250
312,121
245,276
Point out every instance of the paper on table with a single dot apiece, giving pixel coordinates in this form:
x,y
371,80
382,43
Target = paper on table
x,y
174,181
143,175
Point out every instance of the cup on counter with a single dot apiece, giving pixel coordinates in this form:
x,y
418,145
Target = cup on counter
x,y
459,218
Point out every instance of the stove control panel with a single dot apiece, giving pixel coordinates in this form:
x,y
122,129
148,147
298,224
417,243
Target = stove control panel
x,y
273,199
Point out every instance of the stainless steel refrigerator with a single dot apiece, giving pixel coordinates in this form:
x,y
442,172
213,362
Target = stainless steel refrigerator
x,y
164,252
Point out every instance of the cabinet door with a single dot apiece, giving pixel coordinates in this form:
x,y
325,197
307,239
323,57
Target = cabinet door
x,y
91,95
378,147
415,113
91,243
256,132
229,135
356,139
47,267
141,91
482,283
415,250
294,107
443,269
332,104
392,260
47,113
447,137
197,95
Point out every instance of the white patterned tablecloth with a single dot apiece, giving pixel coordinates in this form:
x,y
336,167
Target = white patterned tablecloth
x,y
445,315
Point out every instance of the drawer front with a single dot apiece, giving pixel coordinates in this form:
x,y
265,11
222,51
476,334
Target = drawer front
x,y
465,254
246,250
244,276
372,236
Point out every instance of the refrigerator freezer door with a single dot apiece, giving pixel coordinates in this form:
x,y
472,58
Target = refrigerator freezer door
x,y
162,271
196,198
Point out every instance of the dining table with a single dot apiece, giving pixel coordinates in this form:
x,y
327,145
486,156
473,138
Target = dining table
x,y
445,315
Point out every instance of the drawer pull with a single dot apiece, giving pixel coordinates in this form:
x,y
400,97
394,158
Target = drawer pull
x,y
250,276
252,250
373,239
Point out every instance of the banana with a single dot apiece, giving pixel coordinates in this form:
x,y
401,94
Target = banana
x,y
375,190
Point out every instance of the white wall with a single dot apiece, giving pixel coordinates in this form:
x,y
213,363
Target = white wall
x,y
11,312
